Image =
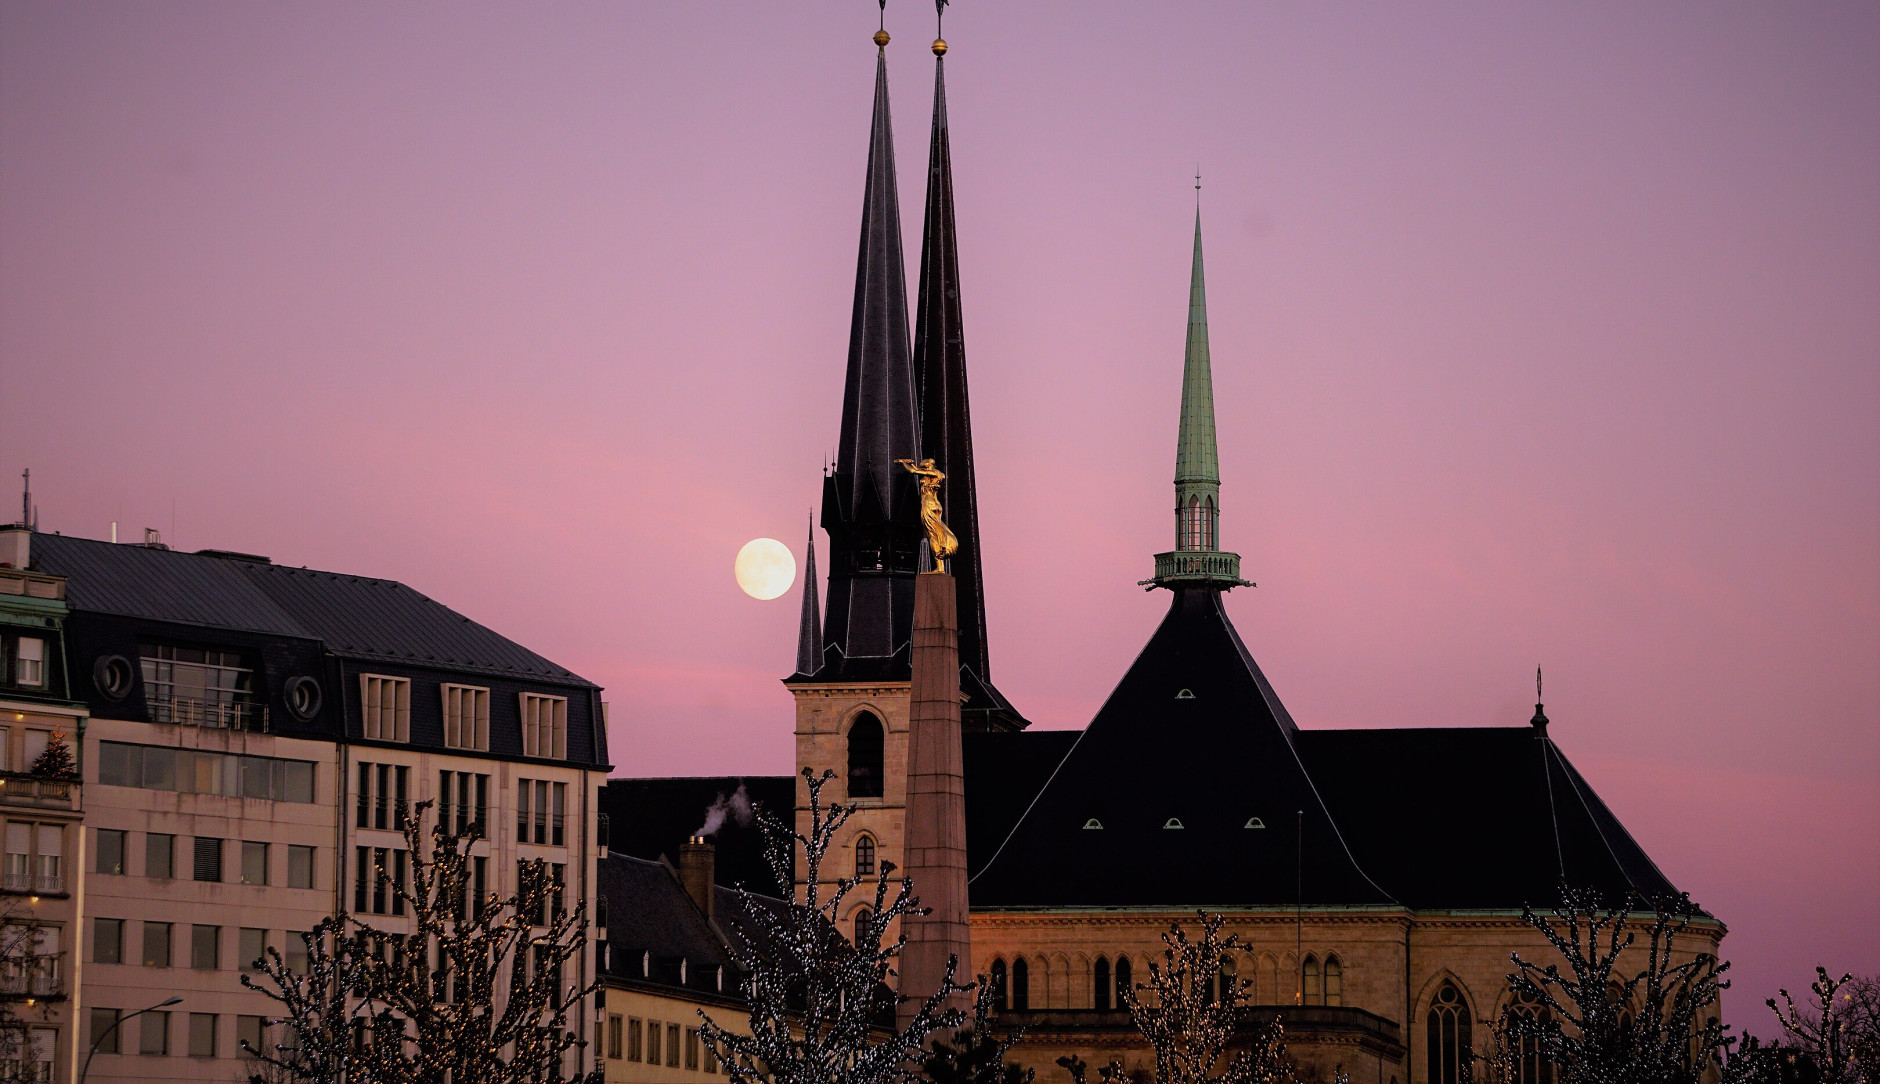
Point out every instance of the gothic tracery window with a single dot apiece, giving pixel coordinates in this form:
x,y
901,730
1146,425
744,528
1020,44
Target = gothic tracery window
x,y
1313,982
1021,985
1124,989
1101,984
1449,1039
1334,981
1529,1068
867,744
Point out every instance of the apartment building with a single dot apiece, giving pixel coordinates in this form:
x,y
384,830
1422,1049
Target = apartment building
x,y
258,736
42,809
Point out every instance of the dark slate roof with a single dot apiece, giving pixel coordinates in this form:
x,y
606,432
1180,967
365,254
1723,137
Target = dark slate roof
x,y
352,616
650,819
1004,772
1473,818
1194,733
653,925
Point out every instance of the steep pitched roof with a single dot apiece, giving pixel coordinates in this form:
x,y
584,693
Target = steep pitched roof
x,y
1530,822
352,616
1004,772
1192,736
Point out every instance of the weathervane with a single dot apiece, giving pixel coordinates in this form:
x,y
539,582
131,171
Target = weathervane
x,y
940,540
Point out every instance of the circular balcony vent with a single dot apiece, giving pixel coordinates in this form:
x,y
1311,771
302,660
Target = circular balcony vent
x,y
113,675
302,695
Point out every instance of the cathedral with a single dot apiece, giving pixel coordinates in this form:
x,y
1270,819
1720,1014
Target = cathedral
x,y
1376,878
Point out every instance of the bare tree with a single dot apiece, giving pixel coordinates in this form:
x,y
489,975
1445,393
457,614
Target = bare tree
x,y
822,1006
1192,1021
1821,1029
977,1053
473,991
1599,1024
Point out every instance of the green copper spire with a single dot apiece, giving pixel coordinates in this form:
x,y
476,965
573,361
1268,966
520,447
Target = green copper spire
x,y
1194,446
1197,559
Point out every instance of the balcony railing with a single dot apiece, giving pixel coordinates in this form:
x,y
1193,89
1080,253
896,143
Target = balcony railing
x,y
14,581
45,883
214,714
20,789
1197,567
34,975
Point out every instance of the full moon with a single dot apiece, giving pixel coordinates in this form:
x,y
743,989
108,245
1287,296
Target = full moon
x,y
765,568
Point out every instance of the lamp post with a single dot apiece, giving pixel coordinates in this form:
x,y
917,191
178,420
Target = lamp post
x,y
82,1073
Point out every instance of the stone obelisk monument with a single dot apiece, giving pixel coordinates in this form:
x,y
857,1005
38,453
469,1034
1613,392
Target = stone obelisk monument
x,y
936,780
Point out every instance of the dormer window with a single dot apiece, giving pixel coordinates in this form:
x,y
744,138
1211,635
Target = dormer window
x,y
29,662
544,726
1094,824
200,686
1254,822
1173,822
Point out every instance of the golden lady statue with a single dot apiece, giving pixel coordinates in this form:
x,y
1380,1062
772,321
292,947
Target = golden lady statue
x,y
940,540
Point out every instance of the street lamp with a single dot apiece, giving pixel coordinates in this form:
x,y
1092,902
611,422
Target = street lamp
x,y
118,1024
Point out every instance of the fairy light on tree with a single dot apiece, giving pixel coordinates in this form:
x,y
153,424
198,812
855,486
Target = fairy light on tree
x,y
474,990
1192,1021
1597,1024
822,1005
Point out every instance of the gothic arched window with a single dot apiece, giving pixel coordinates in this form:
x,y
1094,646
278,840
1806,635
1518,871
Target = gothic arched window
x,y
1230,978
866,745
1001,994
1210,527
1314,982
861,924
865,856
1528,1066
1124,990
1334,981
1021,985
1449,1039
1191,533
1100,984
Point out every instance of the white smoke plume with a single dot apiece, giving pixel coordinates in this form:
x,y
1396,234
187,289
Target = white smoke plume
x,y
735,806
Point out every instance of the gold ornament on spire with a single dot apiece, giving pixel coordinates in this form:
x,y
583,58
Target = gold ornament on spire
x,y
940,540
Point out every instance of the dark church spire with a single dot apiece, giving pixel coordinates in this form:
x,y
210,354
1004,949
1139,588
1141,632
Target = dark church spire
x,y
940,374
869,506
809,632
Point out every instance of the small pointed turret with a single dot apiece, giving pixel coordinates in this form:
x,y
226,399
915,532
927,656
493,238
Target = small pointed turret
x,y
809,632
870,508
1197,559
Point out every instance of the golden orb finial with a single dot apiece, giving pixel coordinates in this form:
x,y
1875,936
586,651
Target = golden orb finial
x,y
939,46
881,38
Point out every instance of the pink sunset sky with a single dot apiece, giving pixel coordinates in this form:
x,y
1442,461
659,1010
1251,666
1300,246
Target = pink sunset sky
x,y
1542,334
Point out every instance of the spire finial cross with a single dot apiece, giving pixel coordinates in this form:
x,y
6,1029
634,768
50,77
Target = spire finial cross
x,y
1537,684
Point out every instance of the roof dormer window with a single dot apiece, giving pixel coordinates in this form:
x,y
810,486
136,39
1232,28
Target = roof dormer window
x,y
1173,822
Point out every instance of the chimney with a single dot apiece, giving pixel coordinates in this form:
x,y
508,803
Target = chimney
x,y
697,868
16,546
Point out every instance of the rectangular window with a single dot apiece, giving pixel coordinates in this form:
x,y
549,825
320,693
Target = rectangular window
x,y
544,726
633,1038
6,744
467,717
652,1042
205,944
153,1037
156,944
556,837
248,1031
299,866
380,867
43,1048
362,874
523,789
254,863
385,707
104,1030
19,871
365,795
614,1027
294,954
51,858
110,852
541,811
232,775
399,859
200,687
479,881
691,1048
401,795
202,1035
30,662
47,961
381,798
557,885
208,859
159,854
672,1046
252,944
107,940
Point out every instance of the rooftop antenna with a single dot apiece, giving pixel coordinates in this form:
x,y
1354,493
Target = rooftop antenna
x,y
1539,722
26,498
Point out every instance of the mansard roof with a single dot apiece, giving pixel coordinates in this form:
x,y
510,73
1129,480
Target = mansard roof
x,y
1185,790
351,616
